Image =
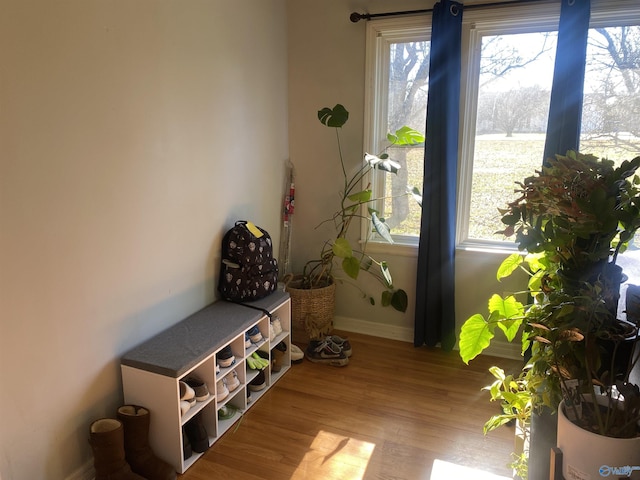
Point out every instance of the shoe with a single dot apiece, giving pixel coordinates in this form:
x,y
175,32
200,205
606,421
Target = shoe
x,y
225,357
186,446
222,391
258,383
342,343
277,325
254,335
197,434
247,341
297,355
226,412
272,333
323,351
232,381
187,394
217,369
184,407
199,387
249,396
277,355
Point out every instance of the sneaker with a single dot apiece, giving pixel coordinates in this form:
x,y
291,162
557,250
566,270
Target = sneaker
x,y
249,396
277,325
297,355
221,390
184,407
247,341
226,412
254,335
232,381
217,369
225,357
323,351
187,394
342,343
199,387
258,383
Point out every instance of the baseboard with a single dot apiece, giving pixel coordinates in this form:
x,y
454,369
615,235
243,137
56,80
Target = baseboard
x,y
391,332
497,349
85,472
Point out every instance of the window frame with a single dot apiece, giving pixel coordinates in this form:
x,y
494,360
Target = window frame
x,y
507,19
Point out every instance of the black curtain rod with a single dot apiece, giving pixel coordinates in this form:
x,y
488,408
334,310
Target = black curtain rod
x,y
356,17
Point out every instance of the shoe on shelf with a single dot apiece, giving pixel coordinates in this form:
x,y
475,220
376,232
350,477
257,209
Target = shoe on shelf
x,y
187,394
232,381
277,325
222,391
247,341
249,396
258,383
277,356
272,333
226,412
217,369
199,387
225,357
186,446
323,351
342,343
197,434
254,335
184,407
297,355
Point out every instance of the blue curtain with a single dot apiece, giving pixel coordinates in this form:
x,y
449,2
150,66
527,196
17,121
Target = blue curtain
x,y
435,312
565,112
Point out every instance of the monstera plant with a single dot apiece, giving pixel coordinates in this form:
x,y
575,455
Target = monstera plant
x,y
358,203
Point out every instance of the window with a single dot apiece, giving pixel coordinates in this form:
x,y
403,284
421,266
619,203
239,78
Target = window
x,y
507,73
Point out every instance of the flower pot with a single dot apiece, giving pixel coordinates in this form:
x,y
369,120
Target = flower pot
x,y
587,455
312,310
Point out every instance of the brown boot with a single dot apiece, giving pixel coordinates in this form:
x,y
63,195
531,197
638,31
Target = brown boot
x,y
136,445
107,442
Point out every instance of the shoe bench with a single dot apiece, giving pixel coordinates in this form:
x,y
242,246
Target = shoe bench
x,y
151,371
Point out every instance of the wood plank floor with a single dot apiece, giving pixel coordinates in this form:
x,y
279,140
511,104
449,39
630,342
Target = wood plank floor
x,y
389,414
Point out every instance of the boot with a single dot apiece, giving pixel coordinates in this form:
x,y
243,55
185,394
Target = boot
x,y
138,453
107,442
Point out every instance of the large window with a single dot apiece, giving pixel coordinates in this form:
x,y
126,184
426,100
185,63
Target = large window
x,y
507,74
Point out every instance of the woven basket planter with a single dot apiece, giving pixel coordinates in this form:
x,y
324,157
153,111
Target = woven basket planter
x,y
311,310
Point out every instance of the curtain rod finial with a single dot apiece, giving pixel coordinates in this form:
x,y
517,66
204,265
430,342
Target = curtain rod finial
x,y
355,17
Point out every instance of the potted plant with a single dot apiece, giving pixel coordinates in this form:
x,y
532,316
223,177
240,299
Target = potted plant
x,y
573,218
315,287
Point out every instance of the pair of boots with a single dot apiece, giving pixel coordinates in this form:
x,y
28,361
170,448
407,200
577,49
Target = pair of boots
x,y
121,448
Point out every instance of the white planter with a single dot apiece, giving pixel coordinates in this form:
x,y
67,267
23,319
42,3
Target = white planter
x,y
589,456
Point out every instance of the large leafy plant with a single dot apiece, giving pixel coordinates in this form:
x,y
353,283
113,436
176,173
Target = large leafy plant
x,y
357,203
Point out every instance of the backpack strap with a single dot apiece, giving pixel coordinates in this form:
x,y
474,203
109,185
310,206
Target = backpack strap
x,y
263,310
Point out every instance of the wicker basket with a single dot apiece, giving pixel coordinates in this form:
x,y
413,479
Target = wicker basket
x,y
311,310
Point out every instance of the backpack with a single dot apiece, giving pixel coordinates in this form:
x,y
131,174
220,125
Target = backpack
x,y
248,270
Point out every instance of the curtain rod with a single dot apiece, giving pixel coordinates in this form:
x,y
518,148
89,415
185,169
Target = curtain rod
x,y
356,17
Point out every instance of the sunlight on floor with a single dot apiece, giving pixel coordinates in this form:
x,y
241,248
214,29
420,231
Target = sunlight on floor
x,y
335,456
446,471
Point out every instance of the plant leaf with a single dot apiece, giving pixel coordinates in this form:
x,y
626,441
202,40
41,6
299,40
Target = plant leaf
x,y
381,227
351,267
507,307
342,248
475,336
384,268
360,197
416,194
335,117
406,136
509,265
399,300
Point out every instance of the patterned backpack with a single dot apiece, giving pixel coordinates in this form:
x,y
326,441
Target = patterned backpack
x,y
248,270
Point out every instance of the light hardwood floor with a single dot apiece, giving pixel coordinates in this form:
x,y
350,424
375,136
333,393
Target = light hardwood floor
x,y
389,414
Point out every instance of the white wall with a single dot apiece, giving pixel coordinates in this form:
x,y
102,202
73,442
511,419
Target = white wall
x,y
327,61
132,135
